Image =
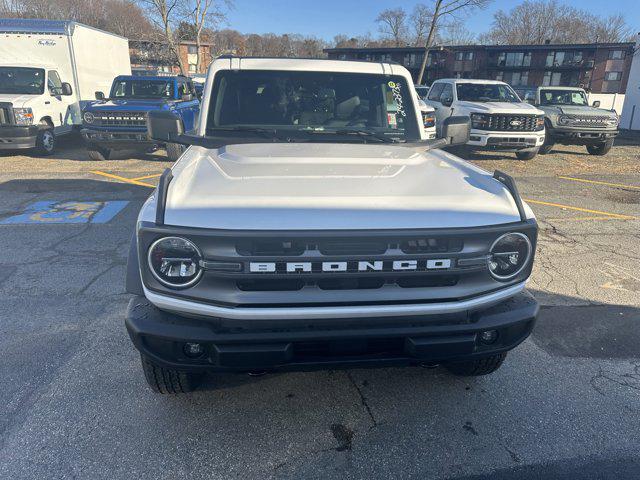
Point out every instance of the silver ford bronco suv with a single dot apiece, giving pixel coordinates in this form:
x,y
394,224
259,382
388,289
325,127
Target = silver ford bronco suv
x,y
312,224
570,120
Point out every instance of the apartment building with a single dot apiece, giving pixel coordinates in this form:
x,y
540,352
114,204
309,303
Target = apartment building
x,y
598,67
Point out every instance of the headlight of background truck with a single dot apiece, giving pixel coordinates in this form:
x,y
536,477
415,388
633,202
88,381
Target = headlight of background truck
x,y
563,120
175,262
479,120
23,116
429,119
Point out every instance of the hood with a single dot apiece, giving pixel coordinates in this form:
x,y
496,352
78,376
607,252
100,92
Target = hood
x,y
17,99
129,105
293,186
582,110
500,107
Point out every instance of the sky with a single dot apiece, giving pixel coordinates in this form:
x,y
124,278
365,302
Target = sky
x,y
327,18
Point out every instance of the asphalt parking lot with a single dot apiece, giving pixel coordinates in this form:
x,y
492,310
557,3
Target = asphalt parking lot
x,y
74,404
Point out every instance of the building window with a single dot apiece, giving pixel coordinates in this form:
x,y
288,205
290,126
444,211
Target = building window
x,y
192,68
499,76
551,79
514,59
613,76
468,56
192,49
459,56
616,54
558,59
515,79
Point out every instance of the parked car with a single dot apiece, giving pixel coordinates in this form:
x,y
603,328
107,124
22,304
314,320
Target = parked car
x,y
499,119
569,120
120,121
311,224
48,70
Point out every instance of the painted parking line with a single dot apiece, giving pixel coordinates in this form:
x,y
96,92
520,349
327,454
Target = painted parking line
x,y
123,179
50,211
155,175
598,182
579,209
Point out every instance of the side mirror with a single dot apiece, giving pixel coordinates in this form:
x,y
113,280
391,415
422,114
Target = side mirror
x,y
596,103
447,102
187,97
164,126
99,96
456,130
66,89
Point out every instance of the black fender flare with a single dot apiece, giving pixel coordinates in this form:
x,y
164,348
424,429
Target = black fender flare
x,y
133,283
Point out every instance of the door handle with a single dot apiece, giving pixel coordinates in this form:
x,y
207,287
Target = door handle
x,y
47,102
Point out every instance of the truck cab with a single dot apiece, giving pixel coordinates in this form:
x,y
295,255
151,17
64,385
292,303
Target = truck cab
x,y
312,223
36,105
499,119
119,121
570,120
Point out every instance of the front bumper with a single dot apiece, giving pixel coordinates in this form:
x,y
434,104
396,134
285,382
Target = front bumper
x,y
18,137
117,138
508,141
580,136
340,343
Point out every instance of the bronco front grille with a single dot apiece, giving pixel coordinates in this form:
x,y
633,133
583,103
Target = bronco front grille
x,y
511,123
599,121
122,119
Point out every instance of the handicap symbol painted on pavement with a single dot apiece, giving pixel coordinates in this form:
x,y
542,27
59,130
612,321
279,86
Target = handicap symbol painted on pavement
x,y
67,212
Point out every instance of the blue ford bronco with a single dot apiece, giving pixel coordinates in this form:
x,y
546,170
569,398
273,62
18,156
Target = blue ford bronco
x,y
120,121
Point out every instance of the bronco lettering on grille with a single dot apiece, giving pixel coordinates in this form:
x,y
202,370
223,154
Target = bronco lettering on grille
x,y
353,266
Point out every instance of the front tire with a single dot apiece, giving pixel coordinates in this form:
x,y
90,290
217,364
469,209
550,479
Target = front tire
x,y
174,150
527,154
98,154
45,142
600,148
167,380
478,367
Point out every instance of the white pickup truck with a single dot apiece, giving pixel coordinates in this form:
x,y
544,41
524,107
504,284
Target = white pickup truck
x,y
499,119
48,70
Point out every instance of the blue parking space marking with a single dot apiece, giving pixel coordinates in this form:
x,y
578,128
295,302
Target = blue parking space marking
x,y
67,212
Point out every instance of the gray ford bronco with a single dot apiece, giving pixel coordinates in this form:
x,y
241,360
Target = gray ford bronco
x,y
311,223
570,120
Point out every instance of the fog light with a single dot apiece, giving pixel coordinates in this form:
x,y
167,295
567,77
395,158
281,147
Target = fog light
x,y
488,337
193,350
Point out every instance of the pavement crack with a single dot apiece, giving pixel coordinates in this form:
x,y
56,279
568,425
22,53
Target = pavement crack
x,y
363,401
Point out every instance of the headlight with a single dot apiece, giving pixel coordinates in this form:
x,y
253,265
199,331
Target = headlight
x,y
508,255
613,121
479,120
175,262
88,117
563,120
429,119
23,116
539,122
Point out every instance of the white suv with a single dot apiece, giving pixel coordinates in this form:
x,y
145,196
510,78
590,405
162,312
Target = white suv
x,y
499,119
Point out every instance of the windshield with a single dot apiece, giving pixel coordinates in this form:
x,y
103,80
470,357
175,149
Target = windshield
x,y
563,97
22,80
486,92
130,88
313,104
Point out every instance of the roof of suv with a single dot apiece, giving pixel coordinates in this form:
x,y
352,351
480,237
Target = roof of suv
x,y
469,80
307,64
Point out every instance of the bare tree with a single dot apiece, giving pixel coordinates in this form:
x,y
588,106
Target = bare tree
x,y
455,33
420,22
164,14
538,21
444,10
201,15
392,24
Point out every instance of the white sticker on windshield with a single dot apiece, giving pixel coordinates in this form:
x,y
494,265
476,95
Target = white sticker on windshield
x,y
397,97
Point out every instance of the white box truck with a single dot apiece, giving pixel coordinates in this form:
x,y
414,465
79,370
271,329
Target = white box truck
x,y
48,70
